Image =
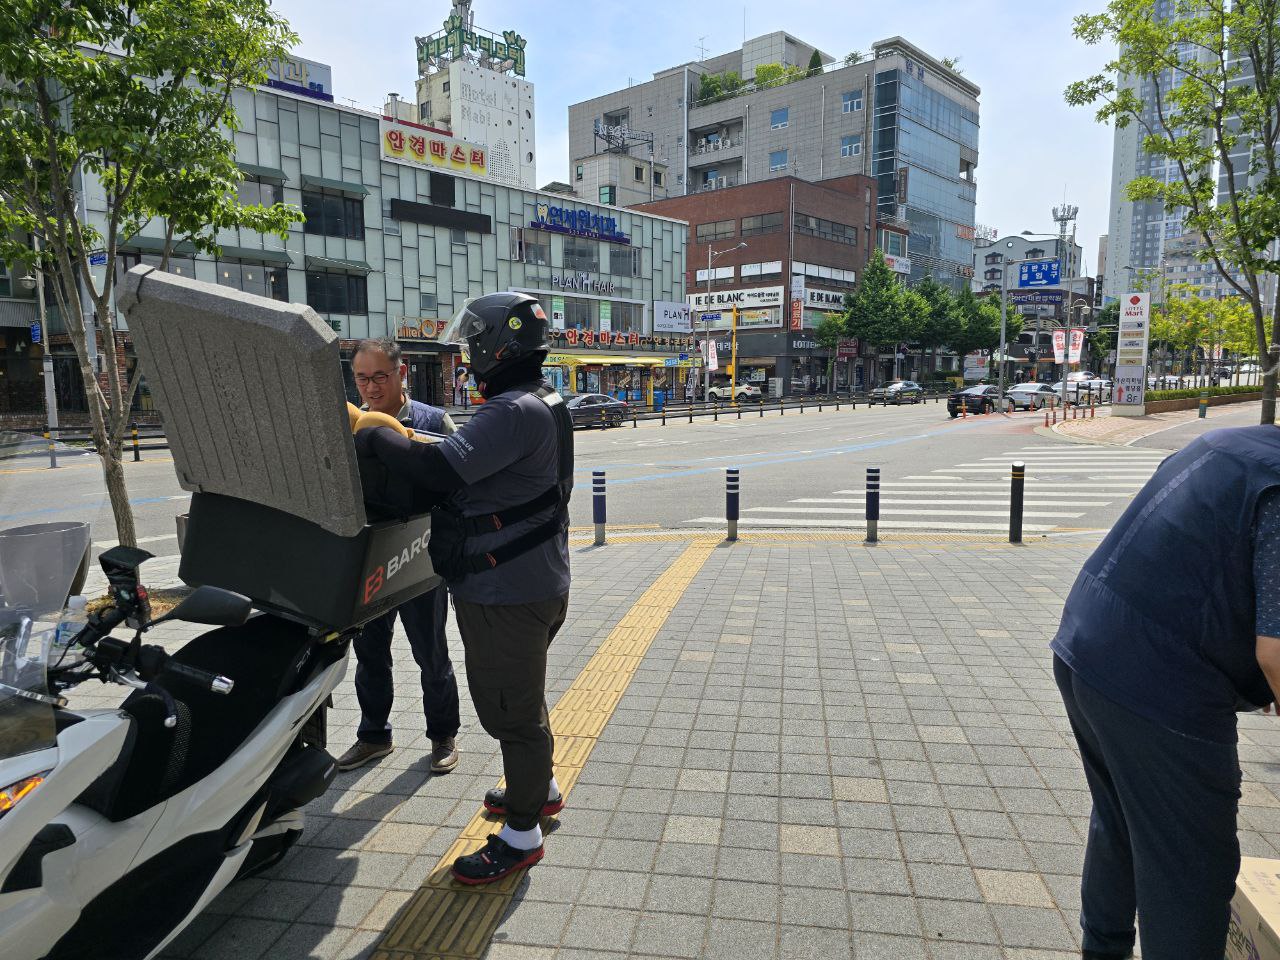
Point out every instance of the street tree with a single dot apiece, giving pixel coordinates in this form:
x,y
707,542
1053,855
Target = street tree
x,y
135,96
1213,71
876,311
979,327
941,321
828,334
815,63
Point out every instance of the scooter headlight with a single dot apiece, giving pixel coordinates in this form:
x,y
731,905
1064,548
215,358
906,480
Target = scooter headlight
x,y
11,795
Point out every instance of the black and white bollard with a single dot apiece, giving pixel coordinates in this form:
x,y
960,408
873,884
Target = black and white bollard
x,y
731,501
873,504
597,504
1017,485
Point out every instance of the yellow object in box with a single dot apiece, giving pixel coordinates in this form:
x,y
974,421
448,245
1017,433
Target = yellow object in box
x,y
372,418
1255,912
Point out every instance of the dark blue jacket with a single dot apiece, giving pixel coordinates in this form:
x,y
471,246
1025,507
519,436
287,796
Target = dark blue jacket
x,y
1161,618
423,416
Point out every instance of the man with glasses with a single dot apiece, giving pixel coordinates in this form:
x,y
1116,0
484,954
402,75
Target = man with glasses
x,y
379,375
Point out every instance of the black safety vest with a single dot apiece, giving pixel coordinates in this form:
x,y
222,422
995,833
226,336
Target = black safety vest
x,y
450,530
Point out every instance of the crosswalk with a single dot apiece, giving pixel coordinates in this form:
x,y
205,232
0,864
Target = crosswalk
x,y
1064,484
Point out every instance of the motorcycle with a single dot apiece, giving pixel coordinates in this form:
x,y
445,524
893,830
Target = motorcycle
x,y
118,826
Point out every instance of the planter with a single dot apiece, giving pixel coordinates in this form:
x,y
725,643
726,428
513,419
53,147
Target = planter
x,y
1190,403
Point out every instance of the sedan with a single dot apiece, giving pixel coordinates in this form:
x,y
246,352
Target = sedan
x,y
983,398
1030,396
596,410
900,391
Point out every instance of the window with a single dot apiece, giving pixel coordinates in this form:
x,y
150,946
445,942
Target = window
x,y
609,194
442,189
778,119
255,278
851,146
761,223
638,173
769,270
993,273
778,159
994,258
338,293
718,275
537,248
427,302
851,101
255,190
446,86
624,261
719,230
577,173
826,229
457,237
1035,254
333,215
580,254
657,178
6,285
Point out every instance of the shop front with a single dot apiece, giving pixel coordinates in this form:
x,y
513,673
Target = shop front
x,y
431,364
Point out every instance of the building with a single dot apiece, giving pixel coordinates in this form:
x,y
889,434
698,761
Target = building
x,y
1101,273
1042,308
619,179
803,247
472,83
1138,230
758,114
404,223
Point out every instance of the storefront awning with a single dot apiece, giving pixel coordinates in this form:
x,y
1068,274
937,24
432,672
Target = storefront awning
x,y
337,263
261,172
341,186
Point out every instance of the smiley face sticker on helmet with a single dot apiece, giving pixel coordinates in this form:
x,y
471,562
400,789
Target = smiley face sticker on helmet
x,y
514,323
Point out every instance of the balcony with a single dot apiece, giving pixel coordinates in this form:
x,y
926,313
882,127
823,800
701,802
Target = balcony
x,y
711,151
719,183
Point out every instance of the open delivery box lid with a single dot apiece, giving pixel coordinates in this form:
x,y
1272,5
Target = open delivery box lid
x,y
255,414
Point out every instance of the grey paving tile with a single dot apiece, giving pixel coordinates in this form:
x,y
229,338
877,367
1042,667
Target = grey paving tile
x,y
607,928
956,920
669,934
879,913
815,907
729,939
1031,927
810,943
671,894
745,901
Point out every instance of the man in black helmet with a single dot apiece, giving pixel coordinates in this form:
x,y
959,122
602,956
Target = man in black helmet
x,y
499,536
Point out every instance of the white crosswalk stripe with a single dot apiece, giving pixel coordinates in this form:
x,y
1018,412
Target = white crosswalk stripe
x,y
973,497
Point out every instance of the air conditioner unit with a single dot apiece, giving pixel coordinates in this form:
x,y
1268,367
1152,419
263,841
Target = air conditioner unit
x,y
702,141
720,181
702,148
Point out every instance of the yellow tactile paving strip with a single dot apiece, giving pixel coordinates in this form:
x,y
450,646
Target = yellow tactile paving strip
x,y
902,540
447,921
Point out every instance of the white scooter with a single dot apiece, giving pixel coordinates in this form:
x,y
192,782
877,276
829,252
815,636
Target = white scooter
x,y
118,826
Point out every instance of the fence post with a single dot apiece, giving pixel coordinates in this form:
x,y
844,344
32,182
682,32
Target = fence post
x,y
53,451
664,414
731,501
762,408
691,413
1204,404
137,455
1017,485
597,504
715,412
873,504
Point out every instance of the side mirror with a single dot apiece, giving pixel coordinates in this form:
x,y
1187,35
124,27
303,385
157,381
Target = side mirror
x,y
211,605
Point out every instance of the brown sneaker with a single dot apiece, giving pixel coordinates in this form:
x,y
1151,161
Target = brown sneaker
x,y
444,755
363,753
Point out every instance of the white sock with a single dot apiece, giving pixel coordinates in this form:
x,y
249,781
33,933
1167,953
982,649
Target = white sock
x,y
521,839
553,791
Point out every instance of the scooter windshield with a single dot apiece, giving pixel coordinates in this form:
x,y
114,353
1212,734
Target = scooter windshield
x,y
45,516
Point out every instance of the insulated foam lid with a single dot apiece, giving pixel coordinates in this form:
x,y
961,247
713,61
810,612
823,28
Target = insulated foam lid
x,y
251,393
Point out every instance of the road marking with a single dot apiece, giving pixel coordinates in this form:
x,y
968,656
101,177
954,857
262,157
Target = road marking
x,y
884,524
445,919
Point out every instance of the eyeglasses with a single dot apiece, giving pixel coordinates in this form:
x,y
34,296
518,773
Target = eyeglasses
x,y
377,379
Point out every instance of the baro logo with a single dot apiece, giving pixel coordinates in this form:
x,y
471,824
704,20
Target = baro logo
x,y
374,583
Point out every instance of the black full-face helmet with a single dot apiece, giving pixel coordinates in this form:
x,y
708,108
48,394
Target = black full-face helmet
x,y
498,330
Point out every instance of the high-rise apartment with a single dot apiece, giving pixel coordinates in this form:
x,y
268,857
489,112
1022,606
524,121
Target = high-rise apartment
x,y
763,112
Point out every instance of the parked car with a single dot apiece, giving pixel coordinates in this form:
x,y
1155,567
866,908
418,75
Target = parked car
x,y
722,390
984,398
1079,391
596,410
1166,382
900,391
1030,396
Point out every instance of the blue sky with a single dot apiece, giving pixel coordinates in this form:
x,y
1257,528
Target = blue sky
x,y
1033,146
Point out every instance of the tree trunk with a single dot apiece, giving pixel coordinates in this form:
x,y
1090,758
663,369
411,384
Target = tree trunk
x,y
113,474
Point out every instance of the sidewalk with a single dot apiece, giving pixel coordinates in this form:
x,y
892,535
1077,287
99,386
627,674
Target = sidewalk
x,y
776,749
1123,431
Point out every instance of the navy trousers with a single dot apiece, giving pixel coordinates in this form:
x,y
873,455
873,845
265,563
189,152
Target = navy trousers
x,y
1162,836
423,618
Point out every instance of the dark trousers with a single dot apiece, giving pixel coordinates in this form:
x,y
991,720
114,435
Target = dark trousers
x,y
424,618
1162,837
507,674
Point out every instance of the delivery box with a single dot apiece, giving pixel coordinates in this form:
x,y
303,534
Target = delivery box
x,y
1255,912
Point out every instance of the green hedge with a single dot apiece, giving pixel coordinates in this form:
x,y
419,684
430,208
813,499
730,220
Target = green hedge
x,y
1195,392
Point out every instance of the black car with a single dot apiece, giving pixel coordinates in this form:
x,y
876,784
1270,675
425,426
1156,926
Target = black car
x,y
983,398
900,391
596,410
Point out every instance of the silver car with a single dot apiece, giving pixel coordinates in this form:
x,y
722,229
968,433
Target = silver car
x,y
1030,396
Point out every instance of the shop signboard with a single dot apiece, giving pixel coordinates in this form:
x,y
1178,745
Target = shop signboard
x,y
419,146
458,37
755,298
577,222
1130,385
797,314
670,317
583,282
846,348
606,317
557,313
301,76
897,264
614,339
829,300
420,328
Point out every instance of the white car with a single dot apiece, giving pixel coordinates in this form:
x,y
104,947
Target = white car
x,y
743,391
1030,396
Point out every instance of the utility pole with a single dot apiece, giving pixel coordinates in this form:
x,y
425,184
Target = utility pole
x,y
1064,214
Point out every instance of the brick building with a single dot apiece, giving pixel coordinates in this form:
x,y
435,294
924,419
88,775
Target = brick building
x,y
806,245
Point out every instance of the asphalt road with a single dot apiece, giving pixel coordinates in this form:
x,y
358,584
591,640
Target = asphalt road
x,y
798,471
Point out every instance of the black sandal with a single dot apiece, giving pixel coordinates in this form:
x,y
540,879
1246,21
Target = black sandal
x,y
495,801
497,859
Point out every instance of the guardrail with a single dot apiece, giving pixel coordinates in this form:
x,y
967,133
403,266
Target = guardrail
x,y
82,439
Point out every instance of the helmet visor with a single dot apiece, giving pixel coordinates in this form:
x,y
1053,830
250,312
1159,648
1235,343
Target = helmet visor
x,y
464,324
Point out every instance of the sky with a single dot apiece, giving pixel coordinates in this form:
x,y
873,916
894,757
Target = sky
x,y
1034,150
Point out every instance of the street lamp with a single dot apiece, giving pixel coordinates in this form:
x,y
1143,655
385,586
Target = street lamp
x,y
36,279
712,256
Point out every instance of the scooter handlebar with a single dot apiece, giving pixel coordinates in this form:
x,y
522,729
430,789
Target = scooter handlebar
x,y
153,661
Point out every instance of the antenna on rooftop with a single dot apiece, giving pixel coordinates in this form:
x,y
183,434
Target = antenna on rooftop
x,y
702,49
